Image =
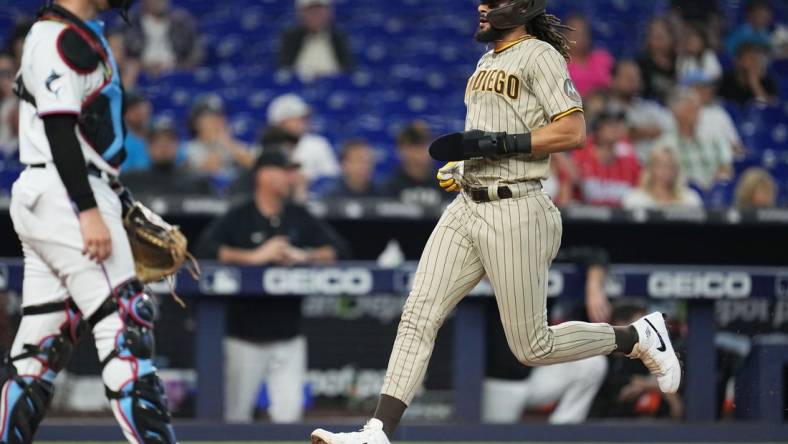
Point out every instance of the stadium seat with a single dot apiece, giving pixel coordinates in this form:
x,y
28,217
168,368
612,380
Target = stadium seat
x,y
404,72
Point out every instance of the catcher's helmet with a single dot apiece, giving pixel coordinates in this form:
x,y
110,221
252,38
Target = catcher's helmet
x,y
516,13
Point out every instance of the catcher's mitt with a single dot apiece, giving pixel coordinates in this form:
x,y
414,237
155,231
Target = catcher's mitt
x,y
159,249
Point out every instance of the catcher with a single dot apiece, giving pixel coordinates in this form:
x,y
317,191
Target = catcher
x,y
79,264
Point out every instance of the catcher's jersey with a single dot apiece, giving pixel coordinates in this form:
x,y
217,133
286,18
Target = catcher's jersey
x,y
517,88
60,88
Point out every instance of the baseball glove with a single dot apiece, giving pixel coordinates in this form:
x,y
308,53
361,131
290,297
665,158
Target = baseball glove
x,y
159,249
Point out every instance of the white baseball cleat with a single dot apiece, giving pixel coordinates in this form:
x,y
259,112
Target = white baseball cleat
x,y
656,351
372,433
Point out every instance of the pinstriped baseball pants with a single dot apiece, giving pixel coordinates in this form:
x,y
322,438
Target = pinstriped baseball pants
x,y
513,242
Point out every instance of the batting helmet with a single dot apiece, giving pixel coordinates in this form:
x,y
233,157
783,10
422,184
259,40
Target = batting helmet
x,y
516,13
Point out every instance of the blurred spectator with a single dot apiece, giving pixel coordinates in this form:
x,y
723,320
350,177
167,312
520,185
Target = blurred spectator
x,y
137,118
16,40
8,105
658,61
647,119
314,47
608,167
213,150
562,179
595,103
629,390
756,189
662,185
264,342
701,11
706,159
414,181
358,169
749,79
589,68
163,38
271,139
714,118
313,152
759,15
129,67
780,41
695,55
571,386
164,176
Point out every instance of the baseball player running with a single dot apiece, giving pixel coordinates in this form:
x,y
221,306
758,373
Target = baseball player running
x,y
522,106
78,267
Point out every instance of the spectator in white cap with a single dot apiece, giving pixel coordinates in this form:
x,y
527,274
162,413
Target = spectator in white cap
x,y
314,47
291,114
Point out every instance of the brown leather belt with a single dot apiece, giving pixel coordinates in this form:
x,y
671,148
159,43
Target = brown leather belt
x,y
480,195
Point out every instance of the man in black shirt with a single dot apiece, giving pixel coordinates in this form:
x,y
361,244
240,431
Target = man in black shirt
x,y
414,181
164,176
264,342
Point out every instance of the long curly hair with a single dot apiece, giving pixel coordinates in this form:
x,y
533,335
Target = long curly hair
x,y
548,28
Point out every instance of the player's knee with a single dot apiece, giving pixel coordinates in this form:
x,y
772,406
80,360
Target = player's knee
x,y
419,322
127,317
534,357
535,350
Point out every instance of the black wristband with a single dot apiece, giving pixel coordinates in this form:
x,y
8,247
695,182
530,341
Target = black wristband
x,y
518,143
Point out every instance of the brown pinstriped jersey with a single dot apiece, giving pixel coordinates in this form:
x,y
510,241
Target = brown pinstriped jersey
x,y
521,87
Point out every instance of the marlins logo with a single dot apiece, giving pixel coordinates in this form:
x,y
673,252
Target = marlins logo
x,y
50,80
571,91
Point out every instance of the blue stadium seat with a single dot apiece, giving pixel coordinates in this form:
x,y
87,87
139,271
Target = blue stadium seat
x,y
413,58
720,195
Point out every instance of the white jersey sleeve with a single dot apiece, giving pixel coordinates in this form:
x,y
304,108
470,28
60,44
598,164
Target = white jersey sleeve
x,y
56,87
551,84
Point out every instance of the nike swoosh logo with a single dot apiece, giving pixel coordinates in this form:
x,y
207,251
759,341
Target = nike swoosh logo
x,y
661,347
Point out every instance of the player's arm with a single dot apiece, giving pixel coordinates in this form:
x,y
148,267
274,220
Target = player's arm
x,y
565,134
72,169
561,103
58,91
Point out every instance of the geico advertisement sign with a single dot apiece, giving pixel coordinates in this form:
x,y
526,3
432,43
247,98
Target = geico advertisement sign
x,y
349,281
689,284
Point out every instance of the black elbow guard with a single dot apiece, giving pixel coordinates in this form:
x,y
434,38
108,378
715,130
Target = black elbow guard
x,y
491,145
474,144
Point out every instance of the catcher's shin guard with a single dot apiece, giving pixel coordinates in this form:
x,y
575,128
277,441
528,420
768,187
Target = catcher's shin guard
x,y
135,392
27,391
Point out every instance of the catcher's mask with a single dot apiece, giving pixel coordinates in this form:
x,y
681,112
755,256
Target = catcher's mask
x,y
515,13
